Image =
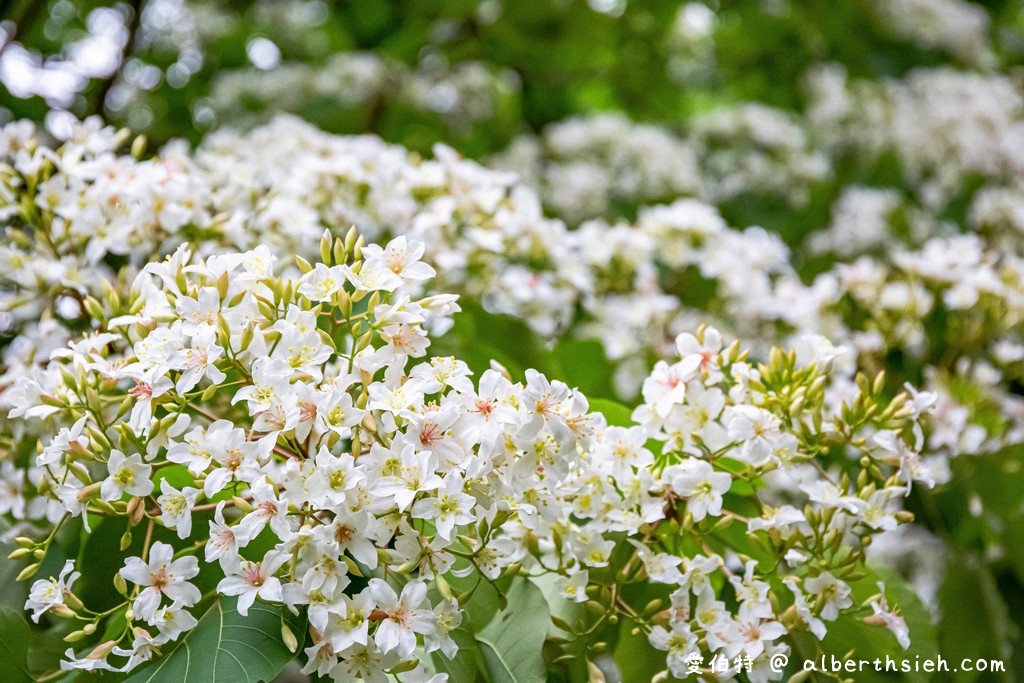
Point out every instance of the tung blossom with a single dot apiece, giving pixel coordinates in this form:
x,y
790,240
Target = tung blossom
x,y
161,576
49,594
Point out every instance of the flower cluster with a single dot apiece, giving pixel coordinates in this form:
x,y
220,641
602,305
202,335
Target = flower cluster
x,y
605,165
466,96
287,426
944,126
960,28
85,218
627,285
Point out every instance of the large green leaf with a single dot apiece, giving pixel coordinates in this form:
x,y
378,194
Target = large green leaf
x,y
477,337
613,411
12,593
583,364
14,639
467,663
970,596
226,647
512,643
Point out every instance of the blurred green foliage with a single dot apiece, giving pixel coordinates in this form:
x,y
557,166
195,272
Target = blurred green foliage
x,y
563,58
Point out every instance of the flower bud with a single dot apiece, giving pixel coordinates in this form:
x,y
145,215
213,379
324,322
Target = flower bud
x,y
325,247
403,667
89,492
102,650
353,568
442,587
288,638
874,620
72,601
28,572
62,611
136,511
339,252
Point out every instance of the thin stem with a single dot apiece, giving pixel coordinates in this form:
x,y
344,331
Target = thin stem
x,y
148,539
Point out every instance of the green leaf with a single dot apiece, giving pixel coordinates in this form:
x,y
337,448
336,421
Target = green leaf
x,y
477,337
616,413
512,643
584,365
14,639
468,661
12,593
970,596
636,658
226,647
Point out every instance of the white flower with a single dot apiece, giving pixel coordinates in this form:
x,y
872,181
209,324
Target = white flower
x,y
887,617
447,617
200,314
706,353
332,478
803,609
403,617
172,622
666,385
254,579
833,595
661,567
176,507
574,587
198,361
401,257
66,441
702,487
415,474
680,643
451,507
127,475
224,541
757,430
322,283
161,575
47,594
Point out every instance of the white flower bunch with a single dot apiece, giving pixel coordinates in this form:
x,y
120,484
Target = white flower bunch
x,y
601,165
83,215
944,126
462,96
285,429
585,167
960,28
